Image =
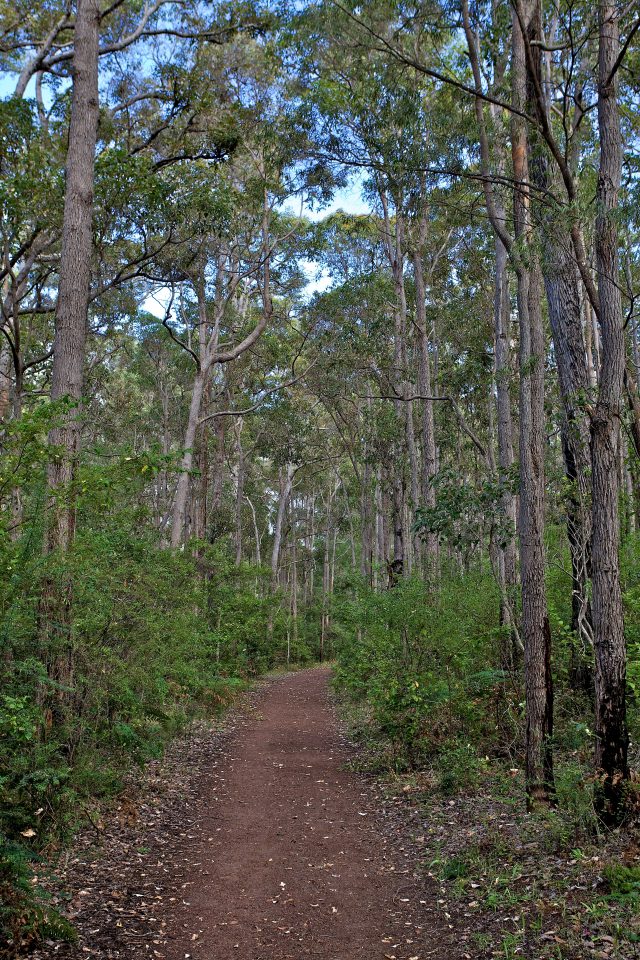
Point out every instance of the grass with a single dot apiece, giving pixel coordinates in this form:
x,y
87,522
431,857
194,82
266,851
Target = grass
x,y
550,885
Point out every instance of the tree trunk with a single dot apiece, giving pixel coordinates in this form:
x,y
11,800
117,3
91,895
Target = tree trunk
x,y
506,458
239,492
565,317
286,483
217,484
325,588
69,345
366,526
6,367
311,548
294,582
163,477
535,620
75,272
610,655
186,462
562,284
379,540
429,455
256,531
394,245
588,340
200,511
413,542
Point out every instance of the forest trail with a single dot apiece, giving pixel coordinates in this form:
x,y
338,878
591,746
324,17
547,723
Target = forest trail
x,y
290,862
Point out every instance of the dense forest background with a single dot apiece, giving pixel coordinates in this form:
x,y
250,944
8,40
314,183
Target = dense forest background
x,y
245,424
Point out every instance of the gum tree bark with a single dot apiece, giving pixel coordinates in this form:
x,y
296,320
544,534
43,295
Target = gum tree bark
x,y
562,286
5,379
74,274
429,455
504,251
610,655
394,247
535,620
506,456
240,478
536,633
208,356
285,485
366,505
565,317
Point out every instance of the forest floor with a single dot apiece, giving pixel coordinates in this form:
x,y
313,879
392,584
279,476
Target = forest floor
x,y
252,841
257,839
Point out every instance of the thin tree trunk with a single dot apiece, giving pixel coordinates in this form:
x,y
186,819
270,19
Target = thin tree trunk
x,y
588,339
327,576
217,484
367,532
294,579
186,462
535,621
630,500
609,642
394,244
6,367
429,454
563,298
413,542
312,541
256,531
239,492
506,457
163,478
380,558
366,539
285,485
200,511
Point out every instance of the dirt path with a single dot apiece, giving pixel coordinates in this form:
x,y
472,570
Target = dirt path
x,y
254,842
292,864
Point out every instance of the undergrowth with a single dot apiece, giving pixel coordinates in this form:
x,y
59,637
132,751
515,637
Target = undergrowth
x,y
423,695
157,639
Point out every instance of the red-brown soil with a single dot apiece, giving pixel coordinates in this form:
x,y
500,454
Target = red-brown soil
x,y
293,864
271,849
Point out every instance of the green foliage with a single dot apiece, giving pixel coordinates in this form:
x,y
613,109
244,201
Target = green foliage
x,y
459,768
414,655
631,597
25,915
157,637
623,883
575,801
464,515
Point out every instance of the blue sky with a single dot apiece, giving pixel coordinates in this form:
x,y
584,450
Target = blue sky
x,y
349,199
